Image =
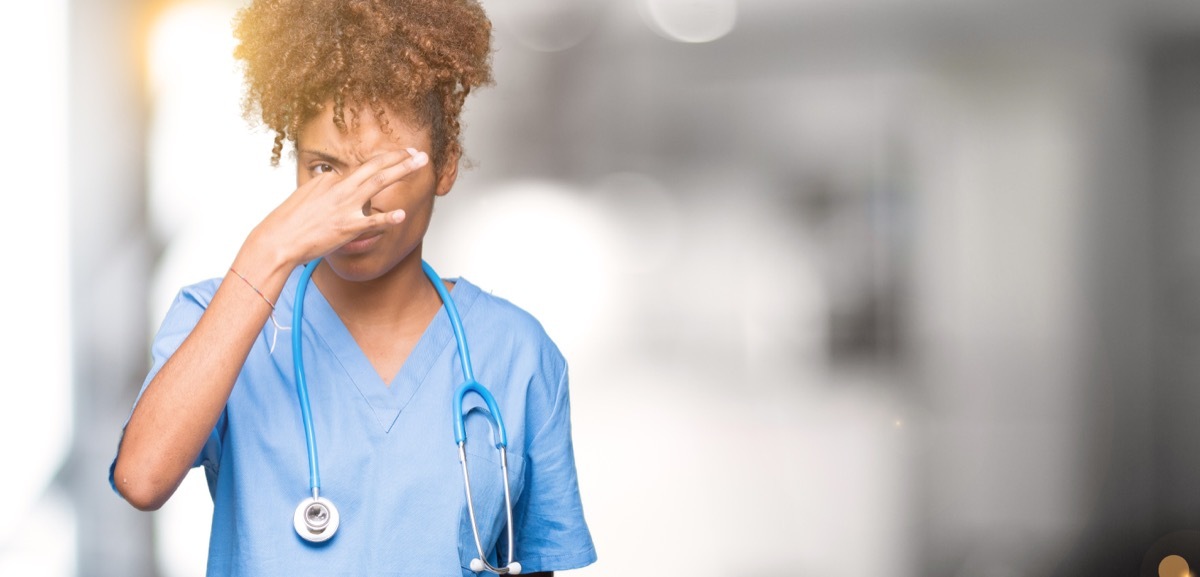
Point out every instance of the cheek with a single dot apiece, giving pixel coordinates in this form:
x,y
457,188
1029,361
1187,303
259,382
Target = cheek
x,y
302,176
415,193
393,197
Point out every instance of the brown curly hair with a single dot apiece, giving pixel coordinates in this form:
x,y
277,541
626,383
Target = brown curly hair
x,y
417,56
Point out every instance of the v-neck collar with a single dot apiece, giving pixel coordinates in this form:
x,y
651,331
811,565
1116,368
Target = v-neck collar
x,y
386,402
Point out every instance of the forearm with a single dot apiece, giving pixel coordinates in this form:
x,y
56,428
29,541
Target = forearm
x,y
184,400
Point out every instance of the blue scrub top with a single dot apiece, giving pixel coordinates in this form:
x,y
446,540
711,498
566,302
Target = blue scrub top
x,y
388,460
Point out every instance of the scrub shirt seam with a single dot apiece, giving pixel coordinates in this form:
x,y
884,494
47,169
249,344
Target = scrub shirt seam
x,y
582,557
562,378
463,311
312,330
464,308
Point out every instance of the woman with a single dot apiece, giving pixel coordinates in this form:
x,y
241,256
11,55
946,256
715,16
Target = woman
x,y
369,92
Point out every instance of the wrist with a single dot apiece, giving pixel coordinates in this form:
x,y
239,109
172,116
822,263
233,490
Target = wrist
x,y
263,247
264,264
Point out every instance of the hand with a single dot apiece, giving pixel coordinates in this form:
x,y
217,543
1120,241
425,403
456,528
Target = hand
x,y
326,212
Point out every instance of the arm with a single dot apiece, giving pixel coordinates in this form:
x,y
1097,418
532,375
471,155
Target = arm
x,y
182,403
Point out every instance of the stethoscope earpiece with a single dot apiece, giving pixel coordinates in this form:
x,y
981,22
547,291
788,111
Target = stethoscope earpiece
x,y
316,519
513,568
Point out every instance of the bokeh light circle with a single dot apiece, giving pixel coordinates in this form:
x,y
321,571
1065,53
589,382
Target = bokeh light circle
x,y
1173,566
690,20
546,26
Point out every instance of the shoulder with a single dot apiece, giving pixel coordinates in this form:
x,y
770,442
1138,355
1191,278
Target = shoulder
x,y
181,317
200,293
189,303
509,324
500,311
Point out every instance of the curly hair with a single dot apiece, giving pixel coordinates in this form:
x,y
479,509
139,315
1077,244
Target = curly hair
x,y
417,56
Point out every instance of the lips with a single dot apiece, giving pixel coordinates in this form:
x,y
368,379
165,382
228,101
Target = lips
x,y
360,244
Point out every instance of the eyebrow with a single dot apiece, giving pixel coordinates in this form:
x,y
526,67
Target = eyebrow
x,y
324,156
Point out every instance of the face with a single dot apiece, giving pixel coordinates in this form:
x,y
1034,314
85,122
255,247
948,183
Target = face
x,y
321,147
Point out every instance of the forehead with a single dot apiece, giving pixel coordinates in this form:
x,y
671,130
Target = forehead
x,y
364,137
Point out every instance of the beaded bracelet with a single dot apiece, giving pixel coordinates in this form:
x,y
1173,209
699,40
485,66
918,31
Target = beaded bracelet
x,y
278,327
252,287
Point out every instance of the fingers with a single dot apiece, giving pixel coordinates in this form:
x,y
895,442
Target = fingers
x,y
333,208
376,223
383,171
384,220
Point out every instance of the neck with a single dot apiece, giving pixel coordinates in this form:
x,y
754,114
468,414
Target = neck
x,y
401,297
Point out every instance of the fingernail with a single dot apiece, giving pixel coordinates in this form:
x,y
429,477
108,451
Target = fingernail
x,y
411,151
398,216
419,159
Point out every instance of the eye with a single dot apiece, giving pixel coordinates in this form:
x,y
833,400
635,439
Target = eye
x,y
320,168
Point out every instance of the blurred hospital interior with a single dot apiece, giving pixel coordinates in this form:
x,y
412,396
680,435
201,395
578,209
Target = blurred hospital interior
x,y
900,288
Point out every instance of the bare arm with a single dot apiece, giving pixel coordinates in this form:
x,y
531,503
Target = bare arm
x,y
181,405
183,402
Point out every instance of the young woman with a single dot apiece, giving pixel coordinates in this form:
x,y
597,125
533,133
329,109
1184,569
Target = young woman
x,y
369,92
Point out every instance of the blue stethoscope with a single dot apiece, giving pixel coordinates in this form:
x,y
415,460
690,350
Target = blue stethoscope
x,y
316,518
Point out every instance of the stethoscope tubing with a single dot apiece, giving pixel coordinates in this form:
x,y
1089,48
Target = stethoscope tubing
x,y
464,357
464,354
310,437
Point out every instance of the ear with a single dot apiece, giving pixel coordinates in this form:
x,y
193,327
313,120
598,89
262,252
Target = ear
x,y
447,175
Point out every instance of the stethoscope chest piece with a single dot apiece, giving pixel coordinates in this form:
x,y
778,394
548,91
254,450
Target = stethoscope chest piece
x,y
316,519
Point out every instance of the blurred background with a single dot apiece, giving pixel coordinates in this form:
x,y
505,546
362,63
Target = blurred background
x,y
848,287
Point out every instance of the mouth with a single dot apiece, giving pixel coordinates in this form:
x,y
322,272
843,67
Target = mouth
x,y
360,244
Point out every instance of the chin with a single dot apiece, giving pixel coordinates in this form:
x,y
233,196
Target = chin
x,y
361,267
355,269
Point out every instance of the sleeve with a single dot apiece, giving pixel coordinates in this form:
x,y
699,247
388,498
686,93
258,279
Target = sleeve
x,y
181,318
549,525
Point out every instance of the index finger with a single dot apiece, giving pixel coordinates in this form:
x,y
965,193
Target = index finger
x,y
384,170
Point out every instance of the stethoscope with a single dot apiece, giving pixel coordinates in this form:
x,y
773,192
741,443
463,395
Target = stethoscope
x,y
316,518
